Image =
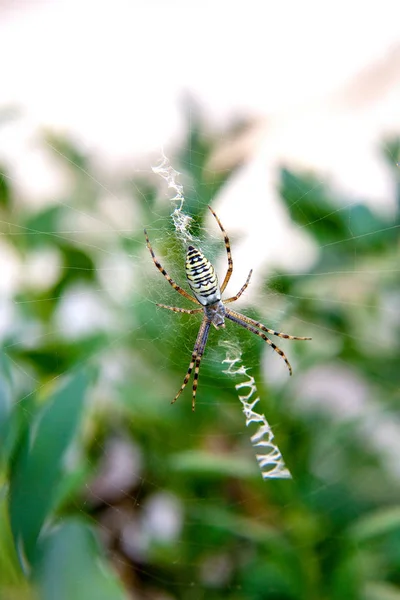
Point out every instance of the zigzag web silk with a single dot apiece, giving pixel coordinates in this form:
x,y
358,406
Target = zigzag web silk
x,y
268,455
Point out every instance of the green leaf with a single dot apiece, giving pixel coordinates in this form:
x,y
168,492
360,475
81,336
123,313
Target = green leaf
x,y
70,566
38,467
376,524
209,464
8,425
5,401
44,224
246,528
310,203
5,191
10,570
381,590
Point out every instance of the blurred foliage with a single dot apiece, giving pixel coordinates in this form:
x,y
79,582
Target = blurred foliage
x,y
97,467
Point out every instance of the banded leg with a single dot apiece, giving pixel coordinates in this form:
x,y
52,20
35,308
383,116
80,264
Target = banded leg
x,y
195,381
181,310
164,272
263,327
197,354
228,251
240,292
237,318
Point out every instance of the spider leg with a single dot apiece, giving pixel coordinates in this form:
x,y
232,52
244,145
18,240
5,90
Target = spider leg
x,y
197,354
164,272
181,310
263,328
195,381
228,251
240,292
243,321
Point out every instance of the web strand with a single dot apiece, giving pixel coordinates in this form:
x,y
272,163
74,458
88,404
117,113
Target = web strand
x,y
269,457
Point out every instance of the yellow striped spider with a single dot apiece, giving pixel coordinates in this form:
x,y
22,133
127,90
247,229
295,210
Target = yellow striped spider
x,y
203,282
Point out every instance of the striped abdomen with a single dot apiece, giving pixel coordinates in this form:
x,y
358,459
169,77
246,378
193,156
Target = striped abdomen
x,y
202,278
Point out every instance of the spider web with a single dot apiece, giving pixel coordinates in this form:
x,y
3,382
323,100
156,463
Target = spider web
x,y
270,461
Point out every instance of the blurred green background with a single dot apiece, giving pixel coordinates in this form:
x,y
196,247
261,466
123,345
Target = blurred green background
x,y
108,491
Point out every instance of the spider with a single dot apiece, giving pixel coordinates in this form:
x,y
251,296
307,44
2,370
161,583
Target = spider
x,y
203,282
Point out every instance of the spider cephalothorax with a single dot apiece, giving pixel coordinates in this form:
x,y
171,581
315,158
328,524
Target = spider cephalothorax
x,y
203,282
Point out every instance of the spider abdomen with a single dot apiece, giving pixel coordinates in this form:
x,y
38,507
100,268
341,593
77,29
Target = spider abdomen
x,y
202,277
